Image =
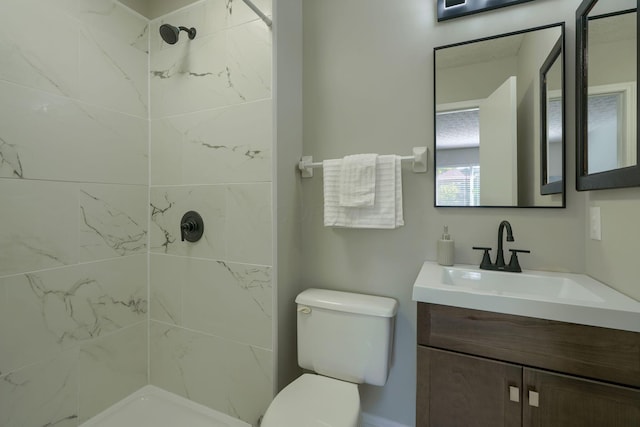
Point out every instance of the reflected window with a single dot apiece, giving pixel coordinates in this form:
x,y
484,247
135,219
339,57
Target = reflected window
x,y
554,140
458,168
611,113
458,185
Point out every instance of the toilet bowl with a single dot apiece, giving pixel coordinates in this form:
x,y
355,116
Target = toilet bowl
x,y
314,401
345,338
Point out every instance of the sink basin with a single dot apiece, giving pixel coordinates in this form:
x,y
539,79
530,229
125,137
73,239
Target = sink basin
x,y
523,285
573,298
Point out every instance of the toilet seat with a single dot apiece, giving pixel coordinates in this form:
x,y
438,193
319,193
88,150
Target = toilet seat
x,y
315,401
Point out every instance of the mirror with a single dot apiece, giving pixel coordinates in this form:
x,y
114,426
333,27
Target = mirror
x,y
607,96
552,122
487,121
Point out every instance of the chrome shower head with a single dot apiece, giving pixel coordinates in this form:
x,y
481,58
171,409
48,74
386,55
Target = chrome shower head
x,y
169,33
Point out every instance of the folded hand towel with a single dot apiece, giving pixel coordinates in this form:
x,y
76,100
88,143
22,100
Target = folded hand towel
x,y
358,180
386,211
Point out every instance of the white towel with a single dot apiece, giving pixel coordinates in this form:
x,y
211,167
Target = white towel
x,y
386,211
358,180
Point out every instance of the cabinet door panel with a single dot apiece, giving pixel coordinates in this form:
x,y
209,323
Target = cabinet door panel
x,y
573,402
456,390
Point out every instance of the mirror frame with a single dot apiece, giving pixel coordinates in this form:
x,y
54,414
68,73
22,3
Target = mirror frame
x,y
616,178
563,205
555,187
465,7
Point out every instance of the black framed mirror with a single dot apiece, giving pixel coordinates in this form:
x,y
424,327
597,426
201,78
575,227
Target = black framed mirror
x,y
552,122
487,120
607,152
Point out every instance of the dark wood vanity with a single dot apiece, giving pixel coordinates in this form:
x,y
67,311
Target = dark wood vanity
x,y
477,368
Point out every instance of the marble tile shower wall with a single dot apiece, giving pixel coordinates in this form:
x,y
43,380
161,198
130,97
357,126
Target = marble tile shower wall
x,y
73,208
211,140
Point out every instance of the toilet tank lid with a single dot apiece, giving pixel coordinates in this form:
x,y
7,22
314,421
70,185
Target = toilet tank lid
x,y
349,302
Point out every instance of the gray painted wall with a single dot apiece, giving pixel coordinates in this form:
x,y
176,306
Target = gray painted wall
x,y
368,87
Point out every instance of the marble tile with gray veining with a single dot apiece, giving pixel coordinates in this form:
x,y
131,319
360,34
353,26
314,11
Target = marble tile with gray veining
x,y
10,163
166,153
113,221
230,300
227,68
224,145
237,11
169,204
51,310
249,223
50,137
26,57
45,394
112,17
111,368
39,226
249,57
229,377
190,77
112,74
166,280
209,17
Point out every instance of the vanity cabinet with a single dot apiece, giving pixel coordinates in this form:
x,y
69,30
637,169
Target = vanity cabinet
x,y
484,369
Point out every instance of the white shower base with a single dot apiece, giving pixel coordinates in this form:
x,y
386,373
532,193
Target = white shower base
x,y
153,407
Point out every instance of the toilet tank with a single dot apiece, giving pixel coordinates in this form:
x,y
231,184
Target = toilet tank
x,y
345,335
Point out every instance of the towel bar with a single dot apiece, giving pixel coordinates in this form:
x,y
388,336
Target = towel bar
x,y
419,158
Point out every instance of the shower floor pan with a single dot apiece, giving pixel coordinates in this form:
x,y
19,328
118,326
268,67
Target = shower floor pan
x,y
153,407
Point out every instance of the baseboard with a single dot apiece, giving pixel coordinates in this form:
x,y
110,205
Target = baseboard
x,y
369,420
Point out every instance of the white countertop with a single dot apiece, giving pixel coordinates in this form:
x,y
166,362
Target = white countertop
x,y
565,297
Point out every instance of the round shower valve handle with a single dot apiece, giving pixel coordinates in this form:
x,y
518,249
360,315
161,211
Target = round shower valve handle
x,y
191,227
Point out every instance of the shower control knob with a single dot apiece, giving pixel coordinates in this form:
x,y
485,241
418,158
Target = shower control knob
x,y
191,227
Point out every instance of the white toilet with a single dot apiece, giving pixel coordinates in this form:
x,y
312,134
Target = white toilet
x,y
347,339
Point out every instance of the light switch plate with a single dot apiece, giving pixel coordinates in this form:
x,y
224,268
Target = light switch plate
x,y
595,223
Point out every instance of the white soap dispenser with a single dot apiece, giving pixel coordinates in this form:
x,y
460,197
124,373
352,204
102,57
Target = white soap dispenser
x,y
445,248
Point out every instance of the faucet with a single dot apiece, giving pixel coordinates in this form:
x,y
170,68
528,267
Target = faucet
x,y
500,257
514,265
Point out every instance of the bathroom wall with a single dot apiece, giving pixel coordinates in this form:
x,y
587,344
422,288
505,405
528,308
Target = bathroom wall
x,y
211,333
368,87
73,203
613,259
287,191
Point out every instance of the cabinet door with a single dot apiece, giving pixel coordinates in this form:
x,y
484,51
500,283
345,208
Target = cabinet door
x,y
455,390
573,402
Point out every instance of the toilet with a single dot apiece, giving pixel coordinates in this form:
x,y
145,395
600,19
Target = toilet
x,y
345,339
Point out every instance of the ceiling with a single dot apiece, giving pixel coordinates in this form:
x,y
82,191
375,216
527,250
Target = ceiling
x,y
152,9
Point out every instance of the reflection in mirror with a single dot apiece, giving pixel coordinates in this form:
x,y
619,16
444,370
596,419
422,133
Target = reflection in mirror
x,y
552,122
611,111
487,121
607,95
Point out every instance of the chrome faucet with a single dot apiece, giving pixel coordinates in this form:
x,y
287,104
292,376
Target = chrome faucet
x,y
514,265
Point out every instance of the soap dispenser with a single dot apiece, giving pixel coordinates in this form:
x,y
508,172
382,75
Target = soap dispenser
x,y
445,248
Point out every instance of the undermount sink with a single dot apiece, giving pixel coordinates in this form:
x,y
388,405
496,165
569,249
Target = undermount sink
x,y
566,297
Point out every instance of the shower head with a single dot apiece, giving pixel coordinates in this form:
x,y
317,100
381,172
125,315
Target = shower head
x,y
169,33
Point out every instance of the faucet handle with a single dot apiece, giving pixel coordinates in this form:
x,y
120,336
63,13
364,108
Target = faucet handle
x,y
486,258
514,265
